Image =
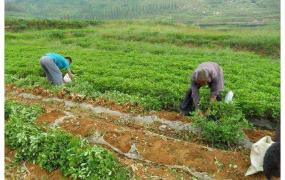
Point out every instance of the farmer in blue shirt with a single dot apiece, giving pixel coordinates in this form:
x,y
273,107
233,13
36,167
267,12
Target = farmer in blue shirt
x,y
52,64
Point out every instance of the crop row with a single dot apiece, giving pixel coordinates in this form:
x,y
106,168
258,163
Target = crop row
x,y
266,42
154,76
15,24
56,149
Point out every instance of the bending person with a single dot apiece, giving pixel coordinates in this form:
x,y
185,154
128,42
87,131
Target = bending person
x,y
52,64
207,73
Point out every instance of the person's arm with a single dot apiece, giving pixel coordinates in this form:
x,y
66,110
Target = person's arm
x,y
70,73
216,80
214,90
217,85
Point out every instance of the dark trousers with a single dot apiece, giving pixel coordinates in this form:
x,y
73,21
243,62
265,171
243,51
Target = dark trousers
x,y
188,104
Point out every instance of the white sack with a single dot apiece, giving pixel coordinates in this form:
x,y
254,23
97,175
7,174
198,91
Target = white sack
x,y
257,153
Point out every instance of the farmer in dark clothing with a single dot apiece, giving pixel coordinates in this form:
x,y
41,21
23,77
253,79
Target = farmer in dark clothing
x,y
207,73
52,64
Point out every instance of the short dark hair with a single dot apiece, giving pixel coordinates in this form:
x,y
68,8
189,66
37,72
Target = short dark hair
x,y
69,59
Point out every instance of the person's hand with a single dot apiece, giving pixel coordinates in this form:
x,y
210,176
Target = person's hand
x,y
213,98
207,112
71,76
199,112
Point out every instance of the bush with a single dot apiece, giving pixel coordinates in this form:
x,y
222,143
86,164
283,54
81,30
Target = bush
x,y
222,124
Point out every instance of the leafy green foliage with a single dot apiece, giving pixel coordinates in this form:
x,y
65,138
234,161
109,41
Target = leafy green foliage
x,y
17,24
144,64
222,124
23,114
56,35
26,139
54,144
256,41
57,149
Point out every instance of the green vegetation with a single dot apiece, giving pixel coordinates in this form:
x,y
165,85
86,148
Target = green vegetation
x,y
205,13
222,124
261,41
54,148
153,73
16,24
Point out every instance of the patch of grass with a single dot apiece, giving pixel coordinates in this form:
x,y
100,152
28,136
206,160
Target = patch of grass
x,y
78,34
261,41
19,24
56,35
67,41
84,44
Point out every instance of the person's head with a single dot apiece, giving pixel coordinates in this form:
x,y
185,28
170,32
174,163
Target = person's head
x,y
69,59
201,77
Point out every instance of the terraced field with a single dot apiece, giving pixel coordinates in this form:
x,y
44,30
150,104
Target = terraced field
x,y
122,107
148,148
150,65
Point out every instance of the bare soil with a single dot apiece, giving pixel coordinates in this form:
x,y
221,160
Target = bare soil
x,y
159,151
255,134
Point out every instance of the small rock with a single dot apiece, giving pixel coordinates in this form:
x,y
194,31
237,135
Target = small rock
x,y
162,127
134,168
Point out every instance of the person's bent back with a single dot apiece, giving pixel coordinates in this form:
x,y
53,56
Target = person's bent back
x,y
207,73
211,74
52,64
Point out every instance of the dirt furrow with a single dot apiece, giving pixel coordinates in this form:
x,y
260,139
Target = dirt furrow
x,y
153,122
137,146
156,149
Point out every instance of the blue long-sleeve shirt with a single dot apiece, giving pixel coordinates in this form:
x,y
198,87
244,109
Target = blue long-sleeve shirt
x,y
59,60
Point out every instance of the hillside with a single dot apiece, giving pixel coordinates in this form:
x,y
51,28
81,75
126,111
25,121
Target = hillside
x,y
202,12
